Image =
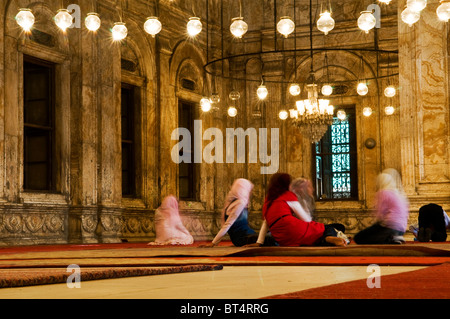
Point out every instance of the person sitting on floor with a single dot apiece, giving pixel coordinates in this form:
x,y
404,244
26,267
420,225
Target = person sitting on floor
x,y
304,191
433,224
391,212
169,228
235,217
288,222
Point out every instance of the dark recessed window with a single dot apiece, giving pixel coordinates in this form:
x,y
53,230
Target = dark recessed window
x,y
39,126
188,84
335,169
129,138
187,172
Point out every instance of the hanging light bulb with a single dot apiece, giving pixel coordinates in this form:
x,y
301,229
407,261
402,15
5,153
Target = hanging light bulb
x,y
293,114
232,111
389,110
234,95
283,115
389,91
262,92
239,27
367,111
409,16
119,31
286,26
25,19
205,104
92,21
215,98
327,90
416,5
63,19
385,1
325,22
152,26
341,115
366,21
362,89
194,26
294,89
443,11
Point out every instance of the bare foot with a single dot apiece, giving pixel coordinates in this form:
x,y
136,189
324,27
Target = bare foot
x,y
335,241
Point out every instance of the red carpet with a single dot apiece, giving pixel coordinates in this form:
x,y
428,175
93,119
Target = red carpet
x,y
428,283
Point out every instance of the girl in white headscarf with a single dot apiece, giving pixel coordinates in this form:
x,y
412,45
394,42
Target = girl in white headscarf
x,y
168,225
391,212
235,216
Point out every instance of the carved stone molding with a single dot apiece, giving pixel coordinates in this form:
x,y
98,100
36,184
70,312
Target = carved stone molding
x,y
20,226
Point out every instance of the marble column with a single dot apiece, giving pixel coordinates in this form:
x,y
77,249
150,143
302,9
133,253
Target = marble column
x,y
424,109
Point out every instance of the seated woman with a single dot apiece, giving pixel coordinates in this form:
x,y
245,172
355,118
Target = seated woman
x,y
168,225
288,222
235,217
433,223
391,212
304,190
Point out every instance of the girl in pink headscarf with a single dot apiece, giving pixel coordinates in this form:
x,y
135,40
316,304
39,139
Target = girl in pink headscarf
x,y
168,225
235,216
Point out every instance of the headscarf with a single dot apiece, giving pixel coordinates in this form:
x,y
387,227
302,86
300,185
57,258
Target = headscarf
x,y
303,188
169,205
241,189
397,179
168,225
386,182
390,179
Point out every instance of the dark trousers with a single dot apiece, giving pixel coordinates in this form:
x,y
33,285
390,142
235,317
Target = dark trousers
x,y
376,234
251,239
330,230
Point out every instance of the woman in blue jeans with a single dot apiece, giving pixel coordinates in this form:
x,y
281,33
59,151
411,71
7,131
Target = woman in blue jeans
x,y
235,217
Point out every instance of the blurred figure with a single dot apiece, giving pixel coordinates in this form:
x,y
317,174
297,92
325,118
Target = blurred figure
x,y
168,225
235,217
391,212
304,190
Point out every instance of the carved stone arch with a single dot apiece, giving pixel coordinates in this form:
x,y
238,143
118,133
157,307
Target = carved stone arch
x,y
180,66
188,71
344,66
139,49
253,75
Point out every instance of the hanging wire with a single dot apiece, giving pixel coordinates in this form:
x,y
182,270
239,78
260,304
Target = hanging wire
x,y
295,42
326,65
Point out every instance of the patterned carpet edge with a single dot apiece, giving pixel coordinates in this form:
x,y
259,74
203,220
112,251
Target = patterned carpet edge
x,y
44,276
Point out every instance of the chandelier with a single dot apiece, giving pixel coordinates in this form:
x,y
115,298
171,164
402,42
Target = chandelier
x,y
312,116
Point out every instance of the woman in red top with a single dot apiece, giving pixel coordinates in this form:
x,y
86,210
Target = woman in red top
x,y
288,223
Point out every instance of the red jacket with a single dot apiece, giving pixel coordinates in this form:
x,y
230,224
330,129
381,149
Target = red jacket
x,y
287,229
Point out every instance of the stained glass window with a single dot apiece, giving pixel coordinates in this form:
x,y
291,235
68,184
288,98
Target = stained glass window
x,y
335,161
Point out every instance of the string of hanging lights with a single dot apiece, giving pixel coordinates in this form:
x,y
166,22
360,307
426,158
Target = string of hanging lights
x,y
366,22
286,26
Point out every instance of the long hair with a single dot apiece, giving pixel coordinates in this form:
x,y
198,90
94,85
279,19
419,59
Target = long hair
x,y
278,184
